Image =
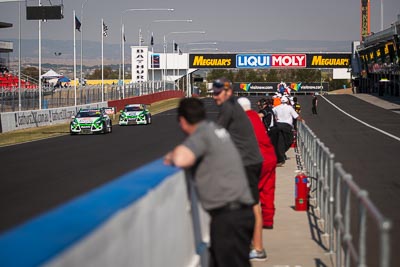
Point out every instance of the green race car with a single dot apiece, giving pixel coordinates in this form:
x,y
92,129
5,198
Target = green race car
x,y
90,121
135,114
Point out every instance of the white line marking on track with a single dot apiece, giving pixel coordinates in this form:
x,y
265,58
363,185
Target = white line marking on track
x,y
360,121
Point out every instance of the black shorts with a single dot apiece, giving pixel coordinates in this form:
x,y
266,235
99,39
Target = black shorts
x,y
253,176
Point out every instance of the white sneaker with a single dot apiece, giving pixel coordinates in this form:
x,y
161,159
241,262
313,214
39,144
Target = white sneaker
x,y
256,255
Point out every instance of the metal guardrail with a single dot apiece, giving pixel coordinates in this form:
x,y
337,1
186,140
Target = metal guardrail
x,y
63,97
335,193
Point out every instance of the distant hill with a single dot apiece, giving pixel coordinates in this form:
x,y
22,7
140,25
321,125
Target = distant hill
x,y
61,52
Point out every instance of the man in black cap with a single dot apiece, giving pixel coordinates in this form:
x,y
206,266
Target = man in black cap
x,y
234,119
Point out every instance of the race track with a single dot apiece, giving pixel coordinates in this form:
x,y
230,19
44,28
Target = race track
x,y
41,175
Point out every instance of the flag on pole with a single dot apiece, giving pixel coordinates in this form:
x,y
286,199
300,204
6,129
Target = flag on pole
x,y
141,40
123,33
152,40
175,46
105,29
77,24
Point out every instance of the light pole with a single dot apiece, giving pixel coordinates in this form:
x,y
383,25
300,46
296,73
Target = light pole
x,y
19,56
81,29
165,48
198,49
204,49
203,43
152,51
122,38
40,62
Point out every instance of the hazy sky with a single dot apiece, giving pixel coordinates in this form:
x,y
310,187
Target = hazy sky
x,y
222,20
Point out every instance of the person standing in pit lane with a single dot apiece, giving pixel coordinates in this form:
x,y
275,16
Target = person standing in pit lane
x,y
297,107
314,104
234,119
284,116
220,181
266,184
267,115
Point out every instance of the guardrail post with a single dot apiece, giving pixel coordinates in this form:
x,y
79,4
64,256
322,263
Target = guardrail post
x,y
385,243
362,247
338,217
331,202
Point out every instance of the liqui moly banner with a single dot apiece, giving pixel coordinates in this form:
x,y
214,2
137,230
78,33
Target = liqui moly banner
x,y
271,60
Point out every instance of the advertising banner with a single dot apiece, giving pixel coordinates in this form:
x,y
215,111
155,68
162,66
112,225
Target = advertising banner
x,y
222,61
264,60
258,61
272,87
155,61
365,21
328,61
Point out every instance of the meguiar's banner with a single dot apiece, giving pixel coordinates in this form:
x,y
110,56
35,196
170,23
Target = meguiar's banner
x,y
328,61
222,61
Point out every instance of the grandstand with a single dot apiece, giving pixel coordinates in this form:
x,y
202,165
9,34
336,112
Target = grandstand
x,y
5,49
9,81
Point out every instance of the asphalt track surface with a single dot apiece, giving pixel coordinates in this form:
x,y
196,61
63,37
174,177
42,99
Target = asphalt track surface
x,y
41,175
38,176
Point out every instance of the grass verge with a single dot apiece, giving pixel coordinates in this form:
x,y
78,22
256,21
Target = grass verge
x,y
37,133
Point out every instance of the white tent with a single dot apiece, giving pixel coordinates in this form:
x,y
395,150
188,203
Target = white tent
x,y
51,74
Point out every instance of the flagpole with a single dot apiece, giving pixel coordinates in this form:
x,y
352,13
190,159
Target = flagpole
x,y
173,60
74,58
178,70
81,30
40,62
152,61
102,60
123,61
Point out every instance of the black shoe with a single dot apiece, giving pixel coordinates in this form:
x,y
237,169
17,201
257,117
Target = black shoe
x,y
270,227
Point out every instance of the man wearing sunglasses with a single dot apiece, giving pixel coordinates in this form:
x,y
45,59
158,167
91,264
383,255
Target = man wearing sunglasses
x,y
233,118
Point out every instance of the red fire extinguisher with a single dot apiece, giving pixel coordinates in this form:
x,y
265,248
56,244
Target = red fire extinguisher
x,y
301,192
294,143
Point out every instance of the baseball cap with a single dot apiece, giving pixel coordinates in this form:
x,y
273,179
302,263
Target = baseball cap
x,y
284,99
220,84
244,102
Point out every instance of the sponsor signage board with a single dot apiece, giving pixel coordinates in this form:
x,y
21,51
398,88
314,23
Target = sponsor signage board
x,y
267,60
223,61
271,87
271,61
328,61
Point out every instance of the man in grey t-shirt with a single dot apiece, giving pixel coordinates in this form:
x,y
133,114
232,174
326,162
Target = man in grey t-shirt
x,y
220,181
